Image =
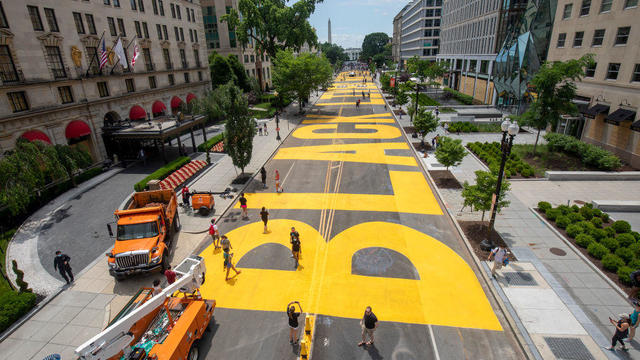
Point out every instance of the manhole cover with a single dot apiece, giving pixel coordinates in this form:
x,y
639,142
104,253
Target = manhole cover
x,y
568,348
559,252
579,202
519,278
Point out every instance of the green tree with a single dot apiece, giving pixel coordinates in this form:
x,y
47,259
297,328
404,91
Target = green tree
x,y
424,69
402,98
555,87
239,127
240,77
334,53
450,152
297,77
374,44
271,25
479,196
221,71
424,122
72,159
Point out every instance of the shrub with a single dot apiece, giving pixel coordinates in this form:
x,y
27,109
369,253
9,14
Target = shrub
x,y
625,239
162,172
597,222
565,209
635,247
586,212
13,305
562,222
587,226
624,254
463,98
605,217
91,173
596,212
544,206
575,217
611,243
584,240
596,250
574,229
590,155
528,172
209,143
636,235
621,227
598,234
610,231
552,214
624,274
612,262
634,264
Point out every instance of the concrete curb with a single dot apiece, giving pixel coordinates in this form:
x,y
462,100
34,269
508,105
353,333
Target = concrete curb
x,y
581,255
524,346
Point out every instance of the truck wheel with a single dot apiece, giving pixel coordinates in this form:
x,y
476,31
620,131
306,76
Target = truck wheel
x,y
204,211
193,352
176,224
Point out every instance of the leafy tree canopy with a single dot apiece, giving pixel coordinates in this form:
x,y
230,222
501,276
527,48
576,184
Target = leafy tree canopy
x,y
479,196
450,152
239,127
425,69
424,121
297,77
333,52
221,72
373,44
272,25
240,77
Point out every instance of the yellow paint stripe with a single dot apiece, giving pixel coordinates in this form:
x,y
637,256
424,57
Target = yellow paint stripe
x,y
381,132
372,102
371,153
347,120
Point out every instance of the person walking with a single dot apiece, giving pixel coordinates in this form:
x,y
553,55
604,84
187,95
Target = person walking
x,y
61,263
263,177
622,331
225,244
157,289
215,234
260,130
170,275
294,239
499,254
369,324
142,156
278,188
363,94
264,215
634,320
266,132
292,318
243,205
185,196
228,256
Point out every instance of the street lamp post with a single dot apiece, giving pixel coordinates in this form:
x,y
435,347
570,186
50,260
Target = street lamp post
x,y
511,129
415,110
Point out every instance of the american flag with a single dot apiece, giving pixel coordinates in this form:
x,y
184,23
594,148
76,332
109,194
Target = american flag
x,y
136,52
103,55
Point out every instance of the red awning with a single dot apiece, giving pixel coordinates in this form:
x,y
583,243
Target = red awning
x,y
32,135
137,113
190,97
158,107
175,102
76,129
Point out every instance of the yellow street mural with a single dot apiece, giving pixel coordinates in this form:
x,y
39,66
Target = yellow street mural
x,y
326,119
381,132
372,153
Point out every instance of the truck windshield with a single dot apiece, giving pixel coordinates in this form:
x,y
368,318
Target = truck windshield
x,y
137,231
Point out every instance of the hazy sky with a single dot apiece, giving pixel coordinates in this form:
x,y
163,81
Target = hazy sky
x,y
351,20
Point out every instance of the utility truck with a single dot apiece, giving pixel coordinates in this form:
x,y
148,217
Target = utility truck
x,y
164,326
144,233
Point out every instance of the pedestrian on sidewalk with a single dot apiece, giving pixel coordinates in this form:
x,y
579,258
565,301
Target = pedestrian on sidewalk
x,y
142,157
369,324
278,187
170,275
243,205
634,319
225,244
622,331
215,234
266,132
499,254
292,317
260,130
229,264
294,238
264,215
433,142
263,177
157,289
185,196
61,263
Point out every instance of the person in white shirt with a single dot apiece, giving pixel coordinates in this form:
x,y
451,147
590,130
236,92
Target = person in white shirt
x,y
157,289
499,254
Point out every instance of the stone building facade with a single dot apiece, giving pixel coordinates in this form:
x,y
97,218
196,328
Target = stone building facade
x,y
609,94
51,87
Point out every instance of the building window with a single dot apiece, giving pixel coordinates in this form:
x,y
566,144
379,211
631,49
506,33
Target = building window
x,y
586,6
612,71
141,5
181,34
65,94
130,85
195,34
188,14
107,2
636,73
18,101
123,32
152,82
55,61
199,75
133,5
8,71
173,11
164,31
193,16
623,35
167,59
154,4
147,59
159,31
34,14
630,3
567,11
77,18
598,37
3,18
91,24
161,7
577,40
183,59
196,55
186,78
246,58
93,61
116,3
253,59
178,12
190,35
112,26
145,28
51,19
561,40
590,71
103,90
172,80
605,6
138,30
175,29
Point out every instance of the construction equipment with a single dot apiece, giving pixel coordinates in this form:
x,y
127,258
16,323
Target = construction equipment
x,y
166,326
202,202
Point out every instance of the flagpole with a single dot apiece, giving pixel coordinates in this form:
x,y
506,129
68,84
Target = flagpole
x,y
96,55
127,60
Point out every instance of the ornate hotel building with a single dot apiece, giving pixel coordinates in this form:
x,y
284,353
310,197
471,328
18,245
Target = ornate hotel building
x,y
51,86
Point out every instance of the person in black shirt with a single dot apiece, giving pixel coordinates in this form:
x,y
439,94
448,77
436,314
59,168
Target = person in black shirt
x,y
263,177
294,238
369,323
243,205
292,316
61,263
264,214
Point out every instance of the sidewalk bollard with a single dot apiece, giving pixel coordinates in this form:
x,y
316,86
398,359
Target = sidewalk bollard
x,y
308,324
304,349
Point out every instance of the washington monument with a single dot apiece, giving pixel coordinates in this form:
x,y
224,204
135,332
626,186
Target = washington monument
x,y
329,39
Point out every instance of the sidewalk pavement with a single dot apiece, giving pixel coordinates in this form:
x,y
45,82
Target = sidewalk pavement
x,y
83,309
561,300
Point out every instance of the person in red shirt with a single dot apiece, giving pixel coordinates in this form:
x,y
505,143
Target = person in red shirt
x,y
170,275
278,188
185,196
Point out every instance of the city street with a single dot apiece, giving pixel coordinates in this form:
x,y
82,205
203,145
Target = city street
x,y
373,234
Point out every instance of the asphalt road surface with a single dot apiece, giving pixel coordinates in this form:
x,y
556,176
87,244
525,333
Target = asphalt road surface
x,y
372,233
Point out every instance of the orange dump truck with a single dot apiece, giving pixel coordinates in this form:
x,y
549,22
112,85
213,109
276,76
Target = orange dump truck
x,y
144,233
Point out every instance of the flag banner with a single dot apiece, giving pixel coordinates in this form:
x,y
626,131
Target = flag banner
x,y
103,54
119,50
136,52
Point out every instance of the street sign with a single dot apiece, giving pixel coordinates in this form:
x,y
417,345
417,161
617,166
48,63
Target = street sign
x,y
392,82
